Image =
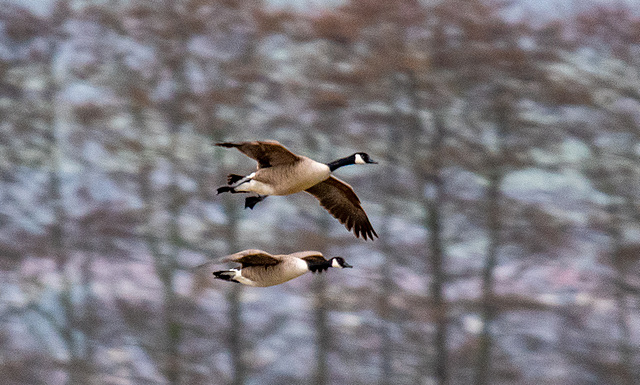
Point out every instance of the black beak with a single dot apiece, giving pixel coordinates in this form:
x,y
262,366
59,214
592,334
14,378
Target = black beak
x,y
346,265
372,161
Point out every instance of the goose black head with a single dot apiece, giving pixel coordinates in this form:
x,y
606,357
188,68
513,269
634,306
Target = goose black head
x,y
363,158
339,262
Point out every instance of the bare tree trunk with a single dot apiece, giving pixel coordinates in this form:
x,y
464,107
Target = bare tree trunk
x,y
73,330
496,175
173,327
321,322
60,250
488,313
88,312
326,119
232,209
236,344
624,319
624,348
162,261
622,204
385,311
85,309
615,230
433,222
235,341
174,111
323,336
320,319
235,335
436,258
60,238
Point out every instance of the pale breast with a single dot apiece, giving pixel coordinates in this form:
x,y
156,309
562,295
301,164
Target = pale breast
x,y
273,275
285,180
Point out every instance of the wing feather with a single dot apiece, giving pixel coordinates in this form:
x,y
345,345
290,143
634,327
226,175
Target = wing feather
x,y
341,201
252,257
267,153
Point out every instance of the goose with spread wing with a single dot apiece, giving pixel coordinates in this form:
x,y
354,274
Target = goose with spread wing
x,y
281,172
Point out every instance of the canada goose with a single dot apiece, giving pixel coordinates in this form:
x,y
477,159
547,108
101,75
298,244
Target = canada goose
x,y
281,172
259,268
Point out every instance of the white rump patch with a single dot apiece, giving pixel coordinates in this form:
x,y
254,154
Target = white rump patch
x,y
238,277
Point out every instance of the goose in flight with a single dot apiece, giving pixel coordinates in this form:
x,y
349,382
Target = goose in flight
x,y
259,268
281,172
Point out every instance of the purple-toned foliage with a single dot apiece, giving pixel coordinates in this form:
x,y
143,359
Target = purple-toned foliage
x,y
507,194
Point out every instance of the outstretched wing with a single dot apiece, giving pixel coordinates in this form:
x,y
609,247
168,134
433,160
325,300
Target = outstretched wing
x,y
342,202
252,257
268,153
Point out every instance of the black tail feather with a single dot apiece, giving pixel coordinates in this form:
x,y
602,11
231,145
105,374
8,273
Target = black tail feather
x,y
227,144
225,275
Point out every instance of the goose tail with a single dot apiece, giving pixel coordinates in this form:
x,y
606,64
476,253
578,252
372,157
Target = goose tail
x,y
226,275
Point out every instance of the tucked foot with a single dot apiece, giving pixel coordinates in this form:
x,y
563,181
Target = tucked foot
x,y
233,178
226,189
251,201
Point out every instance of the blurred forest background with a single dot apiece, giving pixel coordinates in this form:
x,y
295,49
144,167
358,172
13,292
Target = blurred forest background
x,y
507,198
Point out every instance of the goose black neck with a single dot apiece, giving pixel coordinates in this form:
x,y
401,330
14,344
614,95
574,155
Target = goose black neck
x,y
319,267
342,162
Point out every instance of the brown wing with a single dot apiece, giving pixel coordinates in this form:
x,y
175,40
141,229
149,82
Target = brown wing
x,y
311,256
339,199
252,257
268,153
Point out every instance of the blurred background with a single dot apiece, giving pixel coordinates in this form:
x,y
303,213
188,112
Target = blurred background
x,y
507,194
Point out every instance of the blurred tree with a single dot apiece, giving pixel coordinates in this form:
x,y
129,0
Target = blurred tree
x,y
504,109
509,163
608,33
240,23
163,236
73,274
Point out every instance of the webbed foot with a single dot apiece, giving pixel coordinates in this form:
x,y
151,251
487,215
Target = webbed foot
x,y
252,201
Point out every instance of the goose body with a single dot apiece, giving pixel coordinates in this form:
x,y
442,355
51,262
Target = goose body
x,y
290,179
281,172
261,269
